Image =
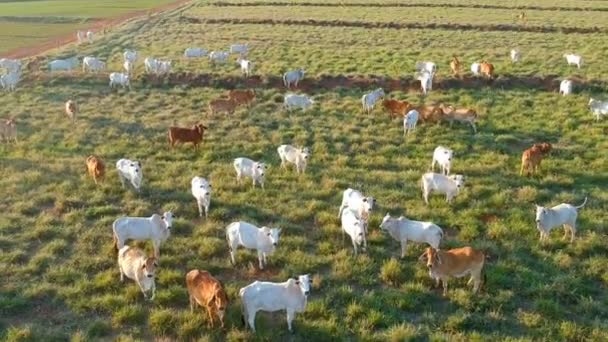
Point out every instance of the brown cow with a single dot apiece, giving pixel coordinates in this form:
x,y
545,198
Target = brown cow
x,y
71,110
462,115
531,158
222,105
95,167
242,96
396,108
457,262
487,69
193,135
455,66
430,113
523,17
8,130
206,291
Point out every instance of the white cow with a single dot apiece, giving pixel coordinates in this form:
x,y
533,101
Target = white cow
x,y
573,59
426,81
598,108
155,228
92,64
429,67
562,214
515,55
218,57
246,66
292,101
448,185
476,69
565,87
409,121
11,65
368,101
90,36
10,80
119,79
239,48
201,190
246,167
290,296
130,170
81,36
133,263
297,156
129,67
402,230
63,64
130,55
164,67
151,65
195,52
354,226
264,240
443,157
361,205
293,76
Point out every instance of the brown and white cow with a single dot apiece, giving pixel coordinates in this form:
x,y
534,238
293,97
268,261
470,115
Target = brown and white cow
x,y
242,96
487,69
396,108
457,262
192,135
206,291
531,158
222,105
430,113
95,167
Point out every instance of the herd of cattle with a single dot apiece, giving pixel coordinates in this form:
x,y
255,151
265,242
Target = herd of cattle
x,y
354,211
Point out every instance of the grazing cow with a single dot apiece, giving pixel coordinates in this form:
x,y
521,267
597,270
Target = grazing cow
x,y
354,226
119,79
151,65
430,113
563,214
429,67
63,64
208,292
129,67
242,96
443,157
598,108
201,190
292,101
96,167
462,115
448,185
195,52
297,156
455,66
218,57
396,108
129,170
11,65
246,167
246,66
81,36
401,229
264,240
565,87
71,109
130,55
133,263
294,76
10,80
192,135
8,130
164,67
573,59
155,228
487,69
532,157
361,205
409,121
515,55
92,64
241,49
457,262
290,296
90,36
222,105
368,101
426,81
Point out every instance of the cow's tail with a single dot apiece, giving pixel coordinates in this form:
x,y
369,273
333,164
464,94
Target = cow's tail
x,y
244,317
582,205
114,238
285,79
228,238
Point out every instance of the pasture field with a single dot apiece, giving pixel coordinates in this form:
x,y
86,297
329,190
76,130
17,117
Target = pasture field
x,y
60,279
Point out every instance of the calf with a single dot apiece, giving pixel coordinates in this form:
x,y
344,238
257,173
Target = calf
x,y
448,185
119,79
297,156
354,226
155,228
95,167
242,96
292,101
192,135
562,214
443,157
565,87
264,240
515,55
455,66
573,59
206,291
201,190
249,168
457,262
426,81
294,77
290,296
396,108
92,64
71,109
598,108
487,69
133,263
63,64
362,205
368,101
475,69
409,121
195,52
462,115
246,66
129,170
402,230
227,106
8,130
532,157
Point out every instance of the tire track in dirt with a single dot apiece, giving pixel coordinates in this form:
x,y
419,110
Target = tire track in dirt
x,y
399,26
393,5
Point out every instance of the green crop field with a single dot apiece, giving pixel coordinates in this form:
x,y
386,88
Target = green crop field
x,y
59,275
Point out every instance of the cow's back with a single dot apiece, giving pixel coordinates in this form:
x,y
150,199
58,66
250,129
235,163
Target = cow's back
x,y
136,228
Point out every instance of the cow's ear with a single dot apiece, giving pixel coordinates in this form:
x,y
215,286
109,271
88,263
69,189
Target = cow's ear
x,y
365,199
210,186
422,257
143,267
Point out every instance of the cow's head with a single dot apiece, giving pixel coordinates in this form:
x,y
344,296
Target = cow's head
x,y
385,222
135,172
431,258
149,267
459,180
368,203
305,152
591,101
168,219
200,128
206,189
448,154
303,281
259,169
273,234
541,212
545,147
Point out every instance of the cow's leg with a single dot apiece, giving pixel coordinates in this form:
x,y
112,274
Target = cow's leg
x,y
122,275
210,312
425,194
260,259
238,177
156,249
572,231
403,248
354,247
265,258
153,291
206,210
290,316
445,286
476,278
191,299
200,208
251,320
122,180
565,232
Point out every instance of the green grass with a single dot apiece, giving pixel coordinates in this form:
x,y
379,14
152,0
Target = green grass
x,y
59,275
